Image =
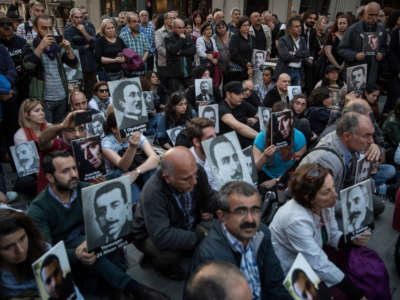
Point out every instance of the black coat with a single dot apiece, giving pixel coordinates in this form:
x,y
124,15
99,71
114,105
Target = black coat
x,y
159,217
177,49
272,97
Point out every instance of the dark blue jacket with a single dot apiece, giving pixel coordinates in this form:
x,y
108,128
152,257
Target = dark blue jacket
x,y
217,247
7,67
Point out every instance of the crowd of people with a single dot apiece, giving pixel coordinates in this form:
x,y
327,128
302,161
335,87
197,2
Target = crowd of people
x,y
313,82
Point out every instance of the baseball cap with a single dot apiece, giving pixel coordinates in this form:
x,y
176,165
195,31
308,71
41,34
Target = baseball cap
x,y
234,87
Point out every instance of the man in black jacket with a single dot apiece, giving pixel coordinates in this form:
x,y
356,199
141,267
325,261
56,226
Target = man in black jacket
x,y
240,239
180,52
171,206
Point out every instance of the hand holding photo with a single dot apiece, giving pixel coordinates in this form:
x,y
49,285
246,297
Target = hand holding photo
x,y
282,128
26,158
173,133
357,209
363,170
370,43
356,78
293,90
53,275
204,90
107,213
210,112
264,115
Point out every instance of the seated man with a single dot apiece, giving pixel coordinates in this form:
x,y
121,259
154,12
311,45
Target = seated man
x,y
78,101
279,92
238,233
171,206
198,130
250,96
57,211
218,280
238,115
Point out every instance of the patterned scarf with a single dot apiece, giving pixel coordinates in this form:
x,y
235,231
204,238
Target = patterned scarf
x,y
51,51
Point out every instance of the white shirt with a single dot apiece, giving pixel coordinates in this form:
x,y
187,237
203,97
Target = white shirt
x,y
296,229
206,168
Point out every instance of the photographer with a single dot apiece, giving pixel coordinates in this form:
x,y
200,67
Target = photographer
x,y
43,59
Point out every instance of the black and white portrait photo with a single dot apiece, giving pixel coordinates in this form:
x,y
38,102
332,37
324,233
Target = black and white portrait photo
x,y
370,43
26,158
363,170
258,58
89,157
210,112
248,156
174,132
107,213
356,78
96,126
282,128
357,209
293,90
226,159
129,105
53,275
148,100
301,281
264,115
204,90
74,75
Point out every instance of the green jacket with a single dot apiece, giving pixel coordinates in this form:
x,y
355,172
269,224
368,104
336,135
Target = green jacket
x,y
34,66
57,222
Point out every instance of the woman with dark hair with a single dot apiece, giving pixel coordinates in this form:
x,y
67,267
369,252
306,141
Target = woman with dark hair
x,y
241,48
101,97
160,93
299,106
201,72
306,224
188,30
270,161
206,49
197,21
177,113
222,37
132,155
21,243
341,24
371,94
319,112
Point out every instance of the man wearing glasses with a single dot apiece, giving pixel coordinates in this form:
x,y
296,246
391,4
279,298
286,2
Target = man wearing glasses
x,y
240,234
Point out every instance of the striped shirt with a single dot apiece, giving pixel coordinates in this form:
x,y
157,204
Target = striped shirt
x,y
149,32
54,88
248,264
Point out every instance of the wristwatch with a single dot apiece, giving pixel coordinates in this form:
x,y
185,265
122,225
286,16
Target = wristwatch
x,y
138,171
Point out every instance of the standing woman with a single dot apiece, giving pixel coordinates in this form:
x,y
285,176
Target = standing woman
x,y
206,48
332,43
108,51
320,29
241,49
222,38
177,113
21,244
197,22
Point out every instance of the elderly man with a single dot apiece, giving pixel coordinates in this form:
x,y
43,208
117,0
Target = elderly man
x,y
161,52
172,204
351,45
136,40
241,239
82,38
147,28
279,92
238,115
261,33
235,15
180,52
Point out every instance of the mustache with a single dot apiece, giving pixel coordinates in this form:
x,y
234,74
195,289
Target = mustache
x,y
354,215
246,225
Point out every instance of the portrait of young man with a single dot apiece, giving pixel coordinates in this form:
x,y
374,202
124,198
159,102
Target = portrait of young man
x,y
128,102
357,78
26,158
108,213
204,90
282,128
264,116
173,133
210,112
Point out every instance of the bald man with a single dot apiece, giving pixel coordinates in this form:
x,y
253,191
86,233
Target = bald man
x,y
218,280
78,101
279,92
172,204
351,45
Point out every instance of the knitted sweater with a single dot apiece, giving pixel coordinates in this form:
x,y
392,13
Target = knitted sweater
x,y
58,222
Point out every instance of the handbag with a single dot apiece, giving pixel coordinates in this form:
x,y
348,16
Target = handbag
x,y
133,61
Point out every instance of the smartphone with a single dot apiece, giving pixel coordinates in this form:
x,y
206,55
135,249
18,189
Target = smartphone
x,y
83,118
59,39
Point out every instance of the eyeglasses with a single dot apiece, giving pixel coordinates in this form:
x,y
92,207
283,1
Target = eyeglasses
x,y
103,91
244,211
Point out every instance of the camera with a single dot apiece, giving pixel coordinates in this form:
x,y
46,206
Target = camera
x,y
58,39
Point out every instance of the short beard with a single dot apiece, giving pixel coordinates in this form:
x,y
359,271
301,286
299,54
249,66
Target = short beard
x,y
63,188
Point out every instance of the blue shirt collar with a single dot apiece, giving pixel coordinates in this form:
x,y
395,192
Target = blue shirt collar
x,y
73,197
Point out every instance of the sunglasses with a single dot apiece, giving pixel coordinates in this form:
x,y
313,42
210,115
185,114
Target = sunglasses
x,y
103,90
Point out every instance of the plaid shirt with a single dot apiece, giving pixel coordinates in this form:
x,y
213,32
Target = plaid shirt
x,y
138,44
149,32
248,264
185,203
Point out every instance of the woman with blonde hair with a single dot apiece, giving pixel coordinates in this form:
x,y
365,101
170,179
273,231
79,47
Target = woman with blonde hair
x,y
31,118
108,51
